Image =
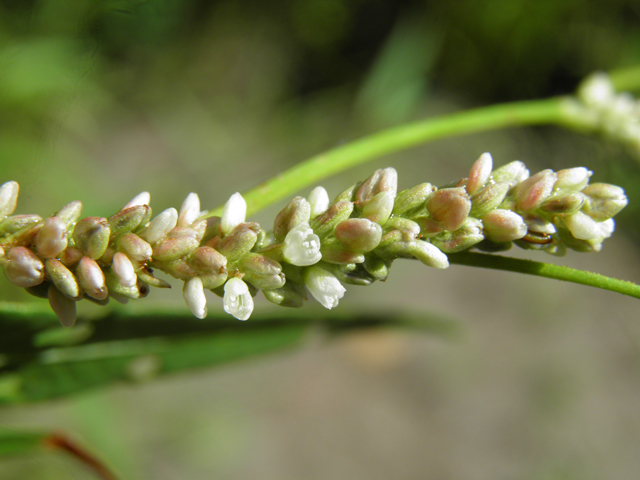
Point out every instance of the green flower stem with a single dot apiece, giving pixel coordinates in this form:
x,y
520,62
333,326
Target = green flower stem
x,y
498,262
309,172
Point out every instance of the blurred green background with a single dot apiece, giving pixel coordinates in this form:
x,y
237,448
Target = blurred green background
x,y
100,100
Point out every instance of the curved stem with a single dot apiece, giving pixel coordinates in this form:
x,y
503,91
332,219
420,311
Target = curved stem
x,y
536,112
567,274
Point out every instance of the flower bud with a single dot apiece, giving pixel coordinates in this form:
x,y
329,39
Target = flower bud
x,y
212,229
262,272
503,226
189,211
70,213
318,201
289,295
408,227
533,191
324,225
564,203
428,254
359,234
537,224
135,248
604,201
62,278
239,241
123,268
384,180
8,198
117,290
347,195
596,90
207,261
324,286
128,219
583,227
15,223
176,244
91,278
296,212
379,208
160,226
376,267
193,293
143,198
334,252
62,306
449,207
480,173
237,300
469,234
411,202
488,198
234,213
302,246
513,173
24,268
52,238
91,235
572,179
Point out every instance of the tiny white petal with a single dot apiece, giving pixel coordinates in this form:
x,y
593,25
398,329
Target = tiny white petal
x,y
319,201
193,293
160,226
233,213
597,90
123,268
237,300
302,246
324,286
189,211
142,198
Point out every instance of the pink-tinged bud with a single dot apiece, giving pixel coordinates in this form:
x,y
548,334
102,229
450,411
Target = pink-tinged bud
x,y
324,225
318,201
262,272
24,268
405,225
207,261
428,226
70,257
17,222
379,208
160,226
384,180
193,292
537,224
572,179
533,191
583,227
469,234
178,243
411,202
62,278
52,238
513,173
189,211
480,173
129,219
143,198
8,198
503,226
334,252
564,203
488,198
239,241
91,278
123,268
70,213
604,201
62,306
180,269
91,235
135,248
449,207
296,212
359,234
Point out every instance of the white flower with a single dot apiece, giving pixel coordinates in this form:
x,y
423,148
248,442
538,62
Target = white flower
x,y
193,293
123,268
142,198
160,226
233,213
302,246
189,211
584,227
324,286
319,201
237,300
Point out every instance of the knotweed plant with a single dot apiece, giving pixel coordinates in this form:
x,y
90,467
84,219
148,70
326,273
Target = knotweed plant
x,y
315,245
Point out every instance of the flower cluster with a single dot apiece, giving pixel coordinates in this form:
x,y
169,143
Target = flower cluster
x,y
316,245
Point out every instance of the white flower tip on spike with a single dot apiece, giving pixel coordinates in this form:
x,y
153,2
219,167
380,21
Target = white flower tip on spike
x,y
324,286
8,197
237,300
319,201
597,90
142,198
123,268
302,246
234,213
190,210
193,292
160,226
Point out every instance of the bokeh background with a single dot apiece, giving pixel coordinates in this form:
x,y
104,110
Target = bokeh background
x,y
535,379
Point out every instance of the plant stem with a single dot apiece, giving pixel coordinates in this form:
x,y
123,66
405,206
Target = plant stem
x,y
536,112
498,262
